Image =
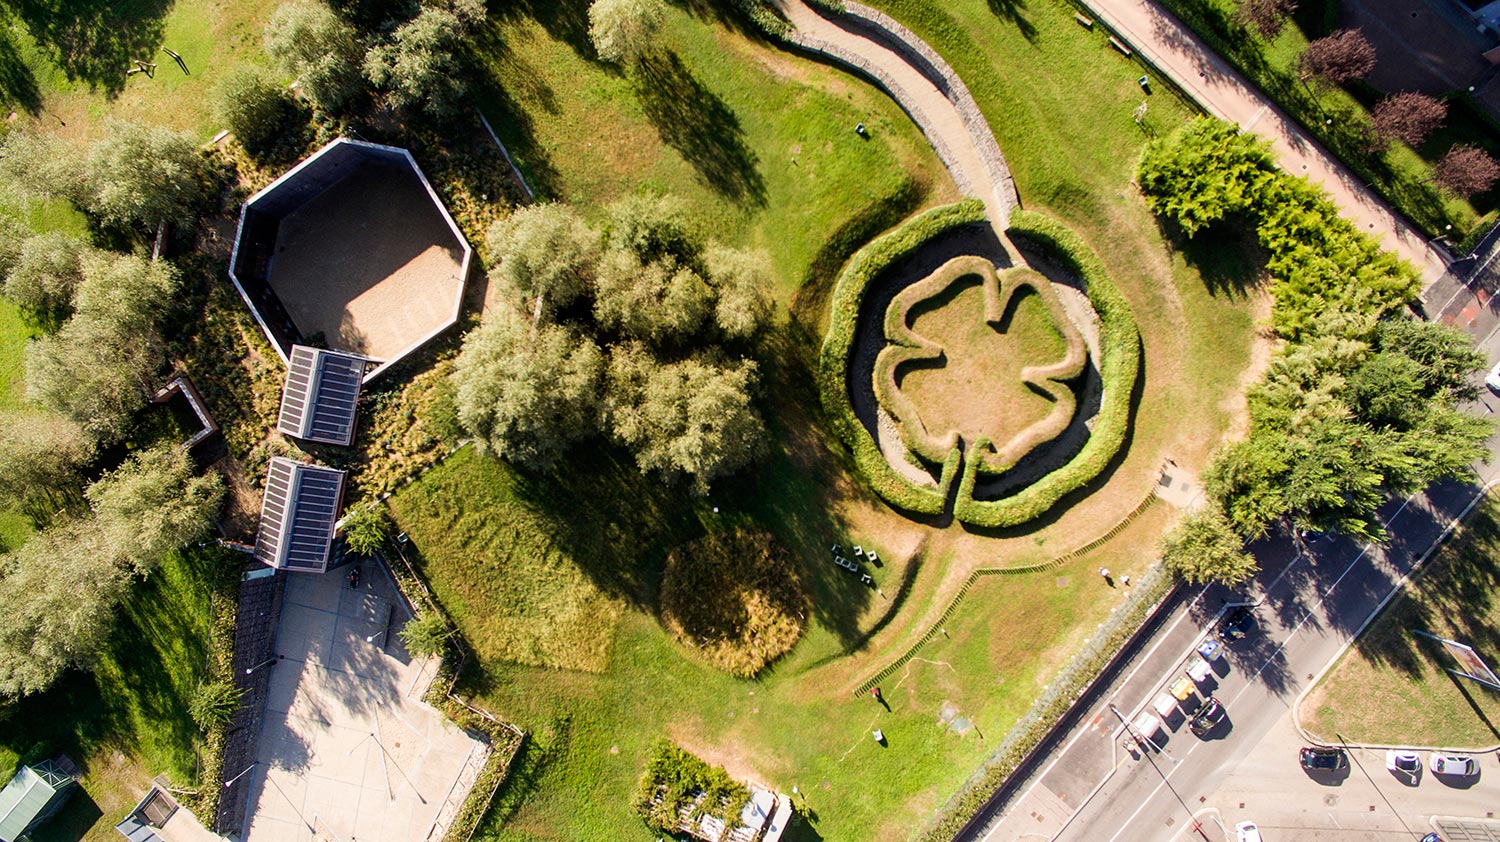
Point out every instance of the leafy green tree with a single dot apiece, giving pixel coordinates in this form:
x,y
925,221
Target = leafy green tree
x,y
310,43
623,29
1447,359
153,503
40,164
426,635
365,529
663,301
544,257
44,274
527,391
739,279
653,227
692,418
213,703
1203,548
420,65
12,236
1204,172
145,175
259,111
41,454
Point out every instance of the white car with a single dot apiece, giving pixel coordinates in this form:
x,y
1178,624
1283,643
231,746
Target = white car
x,y
1493,380
1452,764
1406,763
1247,831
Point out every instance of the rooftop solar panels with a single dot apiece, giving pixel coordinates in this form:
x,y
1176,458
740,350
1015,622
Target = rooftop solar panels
x,y
298,515
321,397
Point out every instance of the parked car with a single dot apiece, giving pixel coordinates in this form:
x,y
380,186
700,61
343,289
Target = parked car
x,y
1452,764
1207,716
1247,832
1407,763
1493,379
1236,624
1432,837
1321,759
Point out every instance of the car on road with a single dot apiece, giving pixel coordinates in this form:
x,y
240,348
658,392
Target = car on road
x,y
1236,624
1247,832
1207,717
1452,764
1493,379
1405,763
1323,759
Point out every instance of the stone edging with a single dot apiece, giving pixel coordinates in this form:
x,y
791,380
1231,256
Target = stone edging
x,y
927,62
888,83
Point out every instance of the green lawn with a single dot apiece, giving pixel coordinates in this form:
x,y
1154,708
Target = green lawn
x,y
1392,687
127,721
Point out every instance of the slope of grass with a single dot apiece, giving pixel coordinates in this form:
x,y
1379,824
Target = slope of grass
x,y
1392,687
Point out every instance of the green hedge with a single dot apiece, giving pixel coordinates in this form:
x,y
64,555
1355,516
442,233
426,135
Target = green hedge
x,y
1120,347
848,295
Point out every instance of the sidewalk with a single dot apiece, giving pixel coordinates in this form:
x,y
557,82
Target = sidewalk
x,y
1177,53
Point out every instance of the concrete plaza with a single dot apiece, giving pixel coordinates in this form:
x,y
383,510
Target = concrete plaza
x,y
347,749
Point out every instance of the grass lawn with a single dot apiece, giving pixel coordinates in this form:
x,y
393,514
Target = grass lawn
x,y
126,721
1392,687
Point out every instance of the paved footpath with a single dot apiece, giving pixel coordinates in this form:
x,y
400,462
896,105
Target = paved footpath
x,y
1177,52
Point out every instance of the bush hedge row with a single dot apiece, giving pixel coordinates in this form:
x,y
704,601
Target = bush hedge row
x,y
838,346
1120,347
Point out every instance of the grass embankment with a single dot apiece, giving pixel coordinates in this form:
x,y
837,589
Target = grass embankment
x,y
1392,687
127,721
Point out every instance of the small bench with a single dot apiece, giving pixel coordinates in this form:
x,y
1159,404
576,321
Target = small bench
x,y
1083,20
1119,45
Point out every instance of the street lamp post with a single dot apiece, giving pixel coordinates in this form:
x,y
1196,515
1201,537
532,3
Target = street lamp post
x,y
1197,825
242,774
380,634
267,662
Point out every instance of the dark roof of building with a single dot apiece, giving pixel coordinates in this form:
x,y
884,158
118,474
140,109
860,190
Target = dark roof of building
x,y
148,816
321,395
297,517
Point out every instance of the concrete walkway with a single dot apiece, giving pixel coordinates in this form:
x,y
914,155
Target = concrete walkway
x,y
1177,52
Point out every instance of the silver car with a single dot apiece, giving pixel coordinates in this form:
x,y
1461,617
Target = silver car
x,y
1452,764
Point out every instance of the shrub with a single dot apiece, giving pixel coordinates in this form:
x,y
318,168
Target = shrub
x,y
365,529
255,108
1339,57
213,704
676,780
1466,171
426,634
623,29
1409,117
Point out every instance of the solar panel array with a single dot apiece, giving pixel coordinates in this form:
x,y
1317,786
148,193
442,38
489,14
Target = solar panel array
x,y
321,397
297,516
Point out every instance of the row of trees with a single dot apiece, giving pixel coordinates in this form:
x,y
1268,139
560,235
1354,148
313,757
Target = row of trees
x,y
639,329
1359,402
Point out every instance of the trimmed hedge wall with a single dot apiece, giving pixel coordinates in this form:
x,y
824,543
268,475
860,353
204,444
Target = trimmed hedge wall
x,y
848,296
1120,347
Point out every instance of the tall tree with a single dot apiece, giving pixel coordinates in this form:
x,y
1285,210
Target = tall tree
x,y
41,454
259,111
692,418
525,391
653,227
153,503
34,163
13,236
623,29
145,175
44,274
1204,548
365,529
663,302
310,43
1466,171
1409,117
739,279
544,256
1339,57
1266,17
420,66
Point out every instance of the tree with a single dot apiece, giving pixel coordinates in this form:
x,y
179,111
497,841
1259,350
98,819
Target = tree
x,y
255,108
544,256
662,301
419,66
1339,57
1448,358
527,392
426,635
365,529
1204,548
145,175
739,278
653,227
40,457
1204,172
213,703
1409,117
46,271
96,369
1266,17
40,164
12,237
692,418
310,43
623,29
1466,171
153,503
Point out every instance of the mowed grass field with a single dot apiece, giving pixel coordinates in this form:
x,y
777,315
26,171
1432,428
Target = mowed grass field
x,y
1392,687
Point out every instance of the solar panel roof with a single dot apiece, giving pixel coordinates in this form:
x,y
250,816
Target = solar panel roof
x,y
321,397
297,516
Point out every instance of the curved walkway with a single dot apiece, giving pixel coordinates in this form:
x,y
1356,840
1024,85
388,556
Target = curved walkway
x,y
923,85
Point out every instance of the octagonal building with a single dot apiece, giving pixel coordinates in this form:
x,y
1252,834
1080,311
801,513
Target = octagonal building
x,y
353,250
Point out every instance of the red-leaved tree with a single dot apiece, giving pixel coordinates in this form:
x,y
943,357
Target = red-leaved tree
x,y
1266,17
1466,171
1339,57
1409,117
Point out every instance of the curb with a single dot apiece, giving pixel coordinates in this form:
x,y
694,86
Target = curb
x,y
1398,588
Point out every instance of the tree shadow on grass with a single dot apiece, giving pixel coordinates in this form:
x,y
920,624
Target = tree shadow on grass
x,y
1227,255
564,20
1014,11
727,14
507,115
96,41
693,120
18,86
